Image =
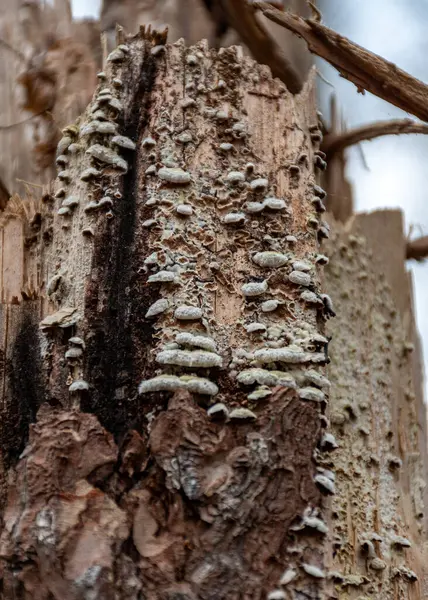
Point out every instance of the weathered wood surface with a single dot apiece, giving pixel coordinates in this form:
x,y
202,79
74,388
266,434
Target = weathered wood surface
x,y
148,496
222,173
377,413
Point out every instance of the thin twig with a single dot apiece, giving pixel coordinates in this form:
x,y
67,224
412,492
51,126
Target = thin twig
x,y
26,120
39,185
366,70
417,249
338,142
12,49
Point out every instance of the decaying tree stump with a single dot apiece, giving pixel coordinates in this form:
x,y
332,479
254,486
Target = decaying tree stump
x,y
165,432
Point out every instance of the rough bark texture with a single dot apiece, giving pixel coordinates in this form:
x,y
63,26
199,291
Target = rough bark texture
x,y
376,413
165,434
174,455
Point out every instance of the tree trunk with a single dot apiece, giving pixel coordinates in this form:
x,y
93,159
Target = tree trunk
x,y
164,431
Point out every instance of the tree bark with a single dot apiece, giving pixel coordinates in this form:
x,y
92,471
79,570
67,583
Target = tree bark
x,y
165,432
188,488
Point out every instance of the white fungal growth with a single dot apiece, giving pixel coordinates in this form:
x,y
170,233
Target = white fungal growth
x,y
328,442
200,341
274,203
255,328
226,147
157,50
187,102
321,259
400,541
260,393
62,160
63,145
218,411
377,564
115,104
108,156
270,259
239,130
184,209
148,142
79,385
92,205
288,576
234,218
185,138
325,483
188,313
70,202
317,379
74,353
242,414
270,305
159,307
235,177
313,571
77,341
276,595
74,148
300,278
89,173
64,211
170,383
192,60
265,377
163,277
116,55
285,354
60,193
189,358
311,298
221,115
65,176
105,201
254,207
259,185
254,288
315,523
302,265
311,394
105,127
123,142
174,175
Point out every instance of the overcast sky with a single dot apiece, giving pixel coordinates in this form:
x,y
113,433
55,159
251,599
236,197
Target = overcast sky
x,y
398,176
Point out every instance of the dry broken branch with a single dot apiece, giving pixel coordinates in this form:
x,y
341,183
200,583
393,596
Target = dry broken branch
x,y
366,70
337,142
236,14
417,249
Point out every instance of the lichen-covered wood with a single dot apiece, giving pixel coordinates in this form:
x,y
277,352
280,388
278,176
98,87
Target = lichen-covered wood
x,y
177,338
